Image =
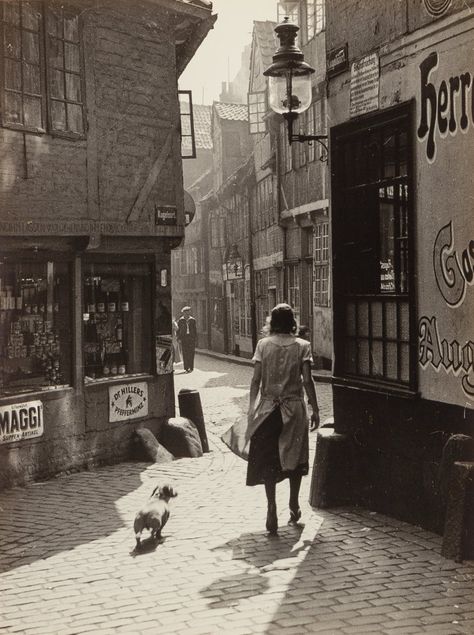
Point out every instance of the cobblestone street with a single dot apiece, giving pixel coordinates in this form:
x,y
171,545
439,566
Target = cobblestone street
x,y
68,564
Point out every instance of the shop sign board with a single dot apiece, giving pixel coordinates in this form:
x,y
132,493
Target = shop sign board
x,y
166,215
337,60
128,401
21,421
365,84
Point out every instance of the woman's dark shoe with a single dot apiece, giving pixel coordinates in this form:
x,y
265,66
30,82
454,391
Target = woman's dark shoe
x,y
295,515
272,520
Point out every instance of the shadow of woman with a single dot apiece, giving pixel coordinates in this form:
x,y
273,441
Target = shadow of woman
x,y
260,550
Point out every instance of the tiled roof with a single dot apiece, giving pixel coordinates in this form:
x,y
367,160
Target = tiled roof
x,y
206,4
202,126
266,39
233,112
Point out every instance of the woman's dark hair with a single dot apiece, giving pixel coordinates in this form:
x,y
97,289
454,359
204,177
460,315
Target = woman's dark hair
x,y
282,319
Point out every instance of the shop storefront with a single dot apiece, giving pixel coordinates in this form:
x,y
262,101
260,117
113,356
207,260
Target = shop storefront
x,y
401,151
86,353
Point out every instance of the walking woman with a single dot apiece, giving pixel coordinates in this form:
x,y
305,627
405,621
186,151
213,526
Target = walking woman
x,y
277,423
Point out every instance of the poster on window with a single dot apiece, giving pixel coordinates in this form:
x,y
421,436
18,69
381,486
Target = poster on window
x,y
164,354
21,421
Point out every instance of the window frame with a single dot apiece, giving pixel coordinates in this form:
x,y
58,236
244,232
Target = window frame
x,y
65,134
190,115
259,114
41,72
405,326
45,73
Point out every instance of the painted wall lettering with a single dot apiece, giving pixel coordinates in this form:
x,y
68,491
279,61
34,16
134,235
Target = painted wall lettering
x,y
448,106
442,354
453,270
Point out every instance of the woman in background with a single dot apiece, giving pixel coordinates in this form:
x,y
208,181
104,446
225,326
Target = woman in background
x,y
278,424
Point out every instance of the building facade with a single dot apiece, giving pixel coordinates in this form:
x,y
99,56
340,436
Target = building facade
x,y
91,206
400,111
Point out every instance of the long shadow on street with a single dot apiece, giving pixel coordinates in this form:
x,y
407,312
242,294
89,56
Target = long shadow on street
x,y
46,518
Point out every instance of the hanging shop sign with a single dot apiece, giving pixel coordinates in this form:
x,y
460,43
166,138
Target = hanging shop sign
x,y
128,401
21,421
365,84
166,215
337,60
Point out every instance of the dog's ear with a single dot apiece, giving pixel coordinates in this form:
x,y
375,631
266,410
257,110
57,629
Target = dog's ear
x,y
169,491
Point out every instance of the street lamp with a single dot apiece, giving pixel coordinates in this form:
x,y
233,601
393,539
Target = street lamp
x,y
289,84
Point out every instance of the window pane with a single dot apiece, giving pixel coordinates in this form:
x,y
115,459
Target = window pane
x,y
363,324
58,115
31,79
377,359
71,55
405,363
73,87
405,321
13,108
11,12
117,330
364,357
391,319
392,363
11,42
74,117
54,24
31,15
377,319
71,31
56,84
12,75
350,356
56,53
36,314
32,110
30,50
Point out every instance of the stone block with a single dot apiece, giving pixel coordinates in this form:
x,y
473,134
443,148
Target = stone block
x,y
148,446
331,475
458,539
181,437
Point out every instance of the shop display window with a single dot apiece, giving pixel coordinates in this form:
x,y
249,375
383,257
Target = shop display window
x,y
35,326
117,320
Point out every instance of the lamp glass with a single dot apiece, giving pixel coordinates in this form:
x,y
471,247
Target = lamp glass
x,y
289,92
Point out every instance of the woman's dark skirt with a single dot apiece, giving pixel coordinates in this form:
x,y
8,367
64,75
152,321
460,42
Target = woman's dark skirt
x,y
264,457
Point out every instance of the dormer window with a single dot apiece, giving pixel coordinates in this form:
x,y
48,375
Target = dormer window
x,y
257,105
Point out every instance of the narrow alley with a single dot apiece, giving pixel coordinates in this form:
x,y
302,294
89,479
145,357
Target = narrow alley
x,y
68,564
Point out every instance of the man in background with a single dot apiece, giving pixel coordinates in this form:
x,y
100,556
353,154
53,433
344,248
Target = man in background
x,y
187,336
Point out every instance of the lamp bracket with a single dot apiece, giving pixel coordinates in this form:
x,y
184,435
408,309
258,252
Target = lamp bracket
x,y
302,138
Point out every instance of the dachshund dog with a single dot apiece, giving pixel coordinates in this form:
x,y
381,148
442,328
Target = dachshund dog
x,y
155,513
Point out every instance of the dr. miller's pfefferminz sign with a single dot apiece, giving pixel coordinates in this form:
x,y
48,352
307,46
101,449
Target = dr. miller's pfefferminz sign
x,y
128,401
21,421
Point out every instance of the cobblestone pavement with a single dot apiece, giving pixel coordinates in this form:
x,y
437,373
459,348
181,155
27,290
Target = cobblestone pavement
x,y
68,565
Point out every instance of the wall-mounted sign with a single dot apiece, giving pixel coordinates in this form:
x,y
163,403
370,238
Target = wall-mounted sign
x,y
337,60
166,215
128,401
365,83
21,421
